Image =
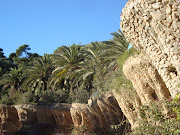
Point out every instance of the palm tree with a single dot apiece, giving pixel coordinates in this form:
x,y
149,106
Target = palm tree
x,y
13,80
116,46
67,61
94,66
39,72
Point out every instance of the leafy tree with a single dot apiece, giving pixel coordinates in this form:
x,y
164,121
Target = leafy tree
x,y
18,57
22,49
1,53
5,63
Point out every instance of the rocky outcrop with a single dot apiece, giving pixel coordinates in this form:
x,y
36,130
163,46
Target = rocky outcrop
x,y
62,116
9,120
27,116
96,116
129,103
148,86
153,27
57,117
145,79
84,118
28,119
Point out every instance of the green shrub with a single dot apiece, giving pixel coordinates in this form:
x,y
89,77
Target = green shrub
x,y
121,83
79,96
156,122
5,99
121,60
49,96
26,98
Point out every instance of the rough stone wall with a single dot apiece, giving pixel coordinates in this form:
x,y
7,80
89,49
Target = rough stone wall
x,y
83,118
45,115
26,112
148,85
27,119
153,27
145,79
27,116
57,115
129,106
9,120
62,118
99,113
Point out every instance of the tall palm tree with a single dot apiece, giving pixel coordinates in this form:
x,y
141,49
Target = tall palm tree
x,y
39,72
94,66
13,80
117,45
67,61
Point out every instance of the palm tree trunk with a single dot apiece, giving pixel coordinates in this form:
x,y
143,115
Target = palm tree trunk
x,y
71,87
44,85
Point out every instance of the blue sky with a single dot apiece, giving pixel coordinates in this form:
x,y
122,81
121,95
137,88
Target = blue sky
x,y
47,24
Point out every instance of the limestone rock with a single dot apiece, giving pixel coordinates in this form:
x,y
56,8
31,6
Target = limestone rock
x,y
146,80
62,116
161,33
27,116
83,117
129,106
9,120
26,112
99,113
45,115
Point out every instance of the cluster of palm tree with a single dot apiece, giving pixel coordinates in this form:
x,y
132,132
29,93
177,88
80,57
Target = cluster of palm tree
x,y
74,67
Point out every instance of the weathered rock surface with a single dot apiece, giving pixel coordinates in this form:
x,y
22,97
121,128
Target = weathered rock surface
x,y
99,113
9,120
145,79
153,27
62,116
27,116
83,117
32,119
148,85
129,105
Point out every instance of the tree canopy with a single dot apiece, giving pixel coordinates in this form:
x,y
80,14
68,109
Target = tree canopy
x,y
74,71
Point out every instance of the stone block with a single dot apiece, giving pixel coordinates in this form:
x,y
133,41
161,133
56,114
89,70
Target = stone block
x,y
156,5
168,9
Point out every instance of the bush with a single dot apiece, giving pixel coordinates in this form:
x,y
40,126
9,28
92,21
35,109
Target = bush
x,y
121,83
79,96
26,98
49,96
121,60
5,99
156,121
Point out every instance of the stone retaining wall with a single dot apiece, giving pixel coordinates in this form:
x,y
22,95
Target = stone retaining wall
x,y
153,27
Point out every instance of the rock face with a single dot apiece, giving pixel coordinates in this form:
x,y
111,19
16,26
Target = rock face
x,y
145,79
62,116
28,119
98,115
153,27
9,120
129,106
27,116
56,117
148,85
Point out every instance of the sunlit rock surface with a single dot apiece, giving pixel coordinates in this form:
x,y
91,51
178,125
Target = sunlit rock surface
x,y
153,27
